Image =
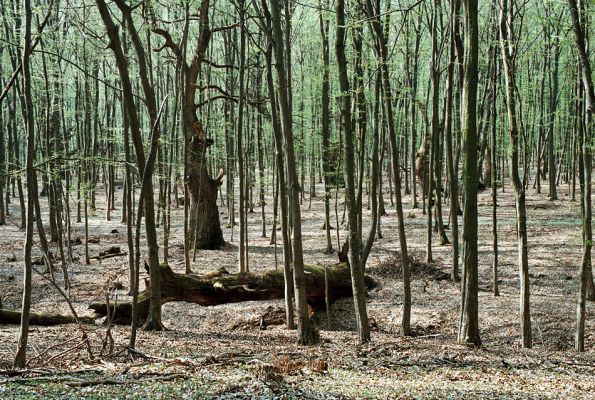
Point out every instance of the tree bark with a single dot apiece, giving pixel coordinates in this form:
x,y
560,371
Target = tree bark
x,y
144,167
469,323
282,191
381,50
306,334
585,267
20,359
494,175
325,128
357,274
508,56
242,245
9,317
455,8
220,287
204,228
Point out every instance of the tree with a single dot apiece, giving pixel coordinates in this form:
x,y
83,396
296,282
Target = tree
x,y
469,322
357,274
587,81
455,9
325,127
154,320
242,247
381,50
20,358
306,334
507,44
204,228
494,173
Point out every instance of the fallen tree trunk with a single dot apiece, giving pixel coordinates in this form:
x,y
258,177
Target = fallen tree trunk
x,y
8,317
220,287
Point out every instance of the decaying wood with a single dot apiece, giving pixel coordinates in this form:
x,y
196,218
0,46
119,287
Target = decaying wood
x,y
14,317
113,251
220,287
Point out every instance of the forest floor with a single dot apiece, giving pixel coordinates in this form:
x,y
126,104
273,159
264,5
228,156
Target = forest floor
x,y
215,352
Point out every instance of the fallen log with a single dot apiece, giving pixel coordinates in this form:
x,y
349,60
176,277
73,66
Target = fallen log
x,y
113,251
220,287
8,317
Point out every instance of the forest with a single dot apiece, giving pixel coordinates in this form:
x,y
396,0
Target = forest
x,y
296,199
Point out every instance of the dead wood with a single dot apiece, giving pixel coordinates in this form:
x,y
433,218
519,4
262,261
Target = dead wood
x,y
113,251
9,317
220,287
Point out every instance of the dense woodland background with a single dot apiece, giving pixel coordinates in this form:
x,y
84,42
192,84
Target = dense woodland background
x,y
226,151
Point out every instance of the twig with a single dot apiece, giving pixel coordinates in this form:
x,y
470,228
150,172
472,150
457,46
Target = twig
x,y
51,348
78,346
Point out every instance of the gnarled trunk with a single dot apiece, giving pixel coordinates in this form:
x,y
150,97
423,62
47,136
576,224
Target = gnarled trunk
x,y
204,227
219,287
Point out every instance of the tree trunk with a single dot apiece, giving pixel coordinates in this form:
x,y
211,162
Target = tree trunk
x,y
552,116
242,245
325,128
585,268
20,359
282,192
9,317
306,335
357,274
220,287
508,56
455,7
204,229
381,50
3,169
493,176
469,324
146,194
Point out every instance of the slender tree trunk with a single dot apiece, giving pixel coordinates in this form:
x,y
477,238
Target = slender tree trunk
x,y
357,274
508,56
306,335
541,130
413,115
325,128
381,50
375,175
469,323
3,166
282,192
585,268
20,359
455,7
493,176
243,251
154,320
261,172
552,116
